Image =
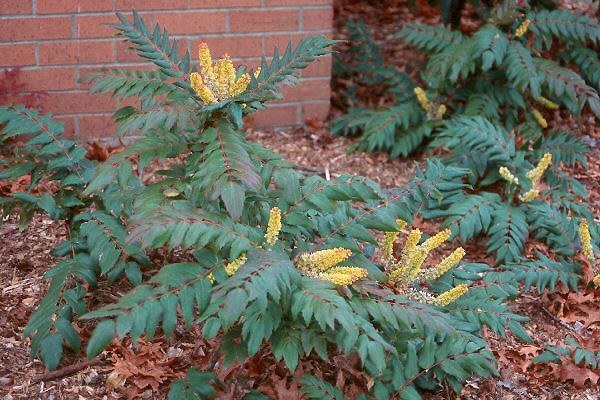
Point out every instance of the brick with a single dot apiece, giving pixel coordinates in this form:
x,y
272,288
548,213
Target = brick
x,y
240,46
125,53
264,21
77,103
272,3
281,42
317,89
76,53
16,7
276,115
69,127
17,55
35,29
139,5
191,22
87,27
320,67
96,126
316,111
317,19
49,79
224,3
72,6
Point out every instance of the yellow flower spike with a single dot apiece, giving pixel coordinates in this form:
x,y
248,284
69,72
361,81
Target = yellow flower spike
x,y
597,280
396,275
387,245
205,59
323,260
549,104
530,195
539,118
224,77
257,72
451,295
437,239
232,267
445,265
416,263
240,85
274,226
536,173
586,240
422,99
411,244
522,29
408,253
344,275
508,176
441,111
401,223
200,88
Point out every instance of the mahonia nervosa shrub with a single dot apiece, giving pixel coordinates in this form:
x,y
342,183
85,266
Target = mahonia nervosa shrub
x,y
484,100
278,261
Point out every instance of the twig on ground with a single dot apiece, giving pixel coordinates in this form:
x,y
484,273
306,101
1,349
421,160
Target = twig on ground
x,y
558,320
66,371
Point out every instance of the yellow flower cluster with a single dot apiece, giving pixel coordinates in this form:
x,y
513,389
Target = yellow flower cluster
x,y
530,195
522,29
321,265
422,99
539,118
446,265
441,111
343,275
597,280
410,266
408,257
536,173
274,226
549,104
586,240
323,260
387,245
508,176
451,295
217,81
437,239
232,267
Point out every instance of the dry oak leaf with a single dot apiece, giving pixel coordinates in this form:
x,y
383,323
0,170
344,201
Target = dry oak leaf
x,y
569,371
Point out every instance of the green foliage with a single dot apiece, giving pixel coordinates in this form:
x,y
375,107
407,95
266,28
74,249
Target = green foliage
x,y
215,199
195,386
573,351
315,388
45,157
429,38
474,75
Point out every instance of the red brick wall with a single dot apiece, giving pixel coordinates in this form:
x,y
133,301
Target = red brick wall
x,y
56,42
